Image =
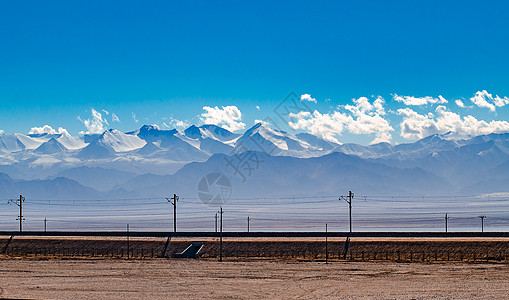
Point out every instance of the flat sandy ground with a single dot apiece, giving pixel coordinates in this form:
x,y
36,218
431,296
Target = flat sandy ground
x,y
197,279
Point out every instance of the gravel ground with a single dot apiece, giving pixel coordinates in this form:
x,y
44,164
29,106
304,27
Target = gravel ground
x,y
189,279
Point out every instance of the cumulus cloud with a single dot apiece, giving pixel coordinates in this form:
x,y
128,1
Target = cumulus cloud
x,y
307,97
114,118
178,124
417,126
484,99
48,130
1,131
257,107
460,103
419,101
362,117
96,124
227,117
265,123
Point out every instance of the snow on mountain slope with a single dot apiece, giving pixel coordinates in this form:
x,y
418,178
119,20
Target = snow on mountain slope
x,y
260,137
29,142
11,143
18,142
122,142
152,150
51,147
210,138
97,149
71,142
167,144
213,146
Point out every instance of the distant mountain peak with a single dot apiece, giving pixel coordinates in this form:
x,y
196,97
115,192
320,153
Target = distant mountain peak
x,y
52,146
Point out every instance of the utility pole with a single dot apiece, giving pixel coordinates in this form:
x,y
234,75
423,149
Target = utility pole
x,y
45,224
221,235
482,222
128,248
19,202
348,199
446,218
216,221
248,224
174,203
326,245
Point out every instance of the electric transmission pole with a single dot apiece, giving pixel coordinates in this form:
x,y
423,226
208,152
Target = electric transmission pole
x,y
326,244
348,199
19,202
248,224
482,222
221,234
128,248
446,218
174,203
215,217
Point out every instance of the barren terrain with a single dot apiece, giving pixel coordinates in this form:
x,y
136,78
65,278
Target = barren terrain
x,y
184,279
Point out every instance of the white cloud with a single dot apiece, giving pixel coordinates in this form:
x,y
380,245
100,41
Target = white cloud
x,y
360,118
178,124
134,118
114,118
1,131
106,112
95,124
307,97
417,126
418,101
265,123
460,103
484,99
379,105
326,126
257,107
48,130
228,117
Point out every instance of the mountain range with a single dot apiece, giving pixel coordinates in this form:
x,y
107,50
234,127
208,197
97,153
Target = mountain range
x,y
259,162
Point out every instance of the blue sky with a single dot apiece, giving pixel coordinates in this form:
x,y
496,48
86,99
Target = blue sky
x,y
165,61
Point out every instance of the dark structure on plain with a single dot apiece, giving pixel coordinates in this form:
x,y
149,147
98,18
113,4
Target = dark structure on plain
x,y
215,217
128,248
192,251
19,202
482,222
348,199
174,203
326,245
221,234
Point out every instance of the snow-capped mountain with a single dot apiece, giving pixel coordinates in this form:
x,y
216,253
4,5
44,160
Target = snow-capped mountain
x,y
262,138
53,146
475,164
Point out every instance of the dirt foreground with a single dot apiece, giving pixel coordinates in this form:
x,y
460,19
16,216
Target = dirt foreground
x,y
196,279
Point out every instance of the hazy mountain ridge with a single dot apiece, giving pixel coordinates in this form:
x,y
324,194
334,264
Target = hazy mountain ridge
x,y
144,162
